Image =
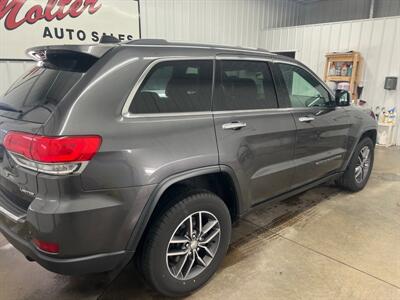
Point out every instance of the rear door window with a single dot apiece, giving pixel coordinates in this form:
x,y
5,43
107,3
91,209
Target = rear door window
x,y
175,87
244,85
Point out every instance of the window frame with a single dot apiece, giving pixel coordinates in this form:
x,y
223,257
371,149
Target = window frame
x,y
139,83
283,93
218,72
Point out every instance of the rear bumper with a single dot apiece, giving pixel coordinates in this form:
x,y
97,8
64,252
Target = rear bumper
x,y
68,266
92,229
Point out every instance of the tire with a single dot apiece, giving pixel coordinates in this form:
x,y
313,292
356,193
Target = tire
x,y
349,180
160,270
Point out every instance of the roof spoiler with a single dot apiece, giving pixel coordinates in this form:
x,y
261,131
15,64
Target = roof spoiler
x,y
96,50
109,39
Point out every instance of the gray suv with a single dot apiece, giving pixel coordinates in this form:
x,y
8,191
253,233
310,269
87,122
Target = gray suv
x,y
154,149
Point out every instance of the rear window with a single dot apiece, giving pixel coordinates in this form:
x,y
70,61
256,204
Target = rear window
x,y
244,85
35,95
175,86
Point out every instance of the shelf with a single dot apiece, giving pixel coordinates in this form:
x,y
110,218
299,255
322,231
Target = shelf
x,y
339,78
352,58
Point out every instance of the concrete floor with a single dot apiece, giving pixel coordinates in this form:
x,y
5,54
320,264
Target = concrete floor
x,y
324,243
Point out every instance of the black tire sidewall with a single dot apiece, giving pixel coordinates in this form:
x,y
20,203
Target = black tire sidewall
x,y
158,273
349,177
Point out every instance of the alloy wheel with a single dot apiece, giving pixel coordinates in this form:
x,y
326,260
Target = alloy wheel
x,y
193,245
363,164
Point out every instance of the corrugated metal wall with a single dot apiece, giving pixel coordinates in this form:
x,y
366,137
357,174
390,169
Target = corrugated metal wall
x,y
206,21
230,22
281,13
378,40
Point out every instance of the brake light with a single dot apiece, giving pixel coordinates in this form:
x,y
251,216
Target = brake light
x,y
53,155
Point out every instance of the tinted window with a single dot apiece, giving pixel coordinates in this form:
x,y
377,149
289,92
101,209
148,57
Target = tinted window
x,y
244,85
175,86
35,95
303,88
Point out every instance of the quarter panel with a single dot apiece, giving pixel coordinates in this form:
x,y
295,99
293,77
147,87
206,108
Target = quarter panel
x,y
148,150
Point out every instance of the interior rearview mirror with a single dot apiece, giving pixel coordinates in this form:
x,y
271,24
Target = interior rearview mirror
x,y
342,98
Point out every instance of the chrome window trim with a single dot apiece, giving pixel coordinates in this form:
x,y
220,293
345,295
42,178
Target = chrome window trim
x,y
125,110
240,57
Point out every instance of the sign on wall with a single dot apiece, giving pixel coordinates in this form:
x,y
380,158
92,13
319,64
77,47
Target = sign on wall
x,y
29,23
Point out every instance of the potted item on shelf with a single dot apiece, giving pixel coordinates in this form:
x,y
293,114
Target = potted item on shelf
x,y
343,72
338,69
350,70
332,69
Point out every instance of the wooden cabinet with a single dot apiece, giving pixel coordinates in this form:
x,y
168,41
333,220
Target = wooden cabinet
x,y
344,67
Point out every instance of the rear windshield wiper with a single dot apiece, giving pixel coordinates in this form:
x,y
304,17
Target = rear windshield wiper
x,y
7,107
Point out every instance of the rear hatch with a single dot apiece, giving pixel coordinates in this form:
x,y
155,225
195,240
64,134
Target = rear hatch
x,y
28,104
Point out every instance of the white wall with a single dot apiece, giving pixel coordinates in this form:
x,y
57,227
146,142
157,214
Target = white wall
x,y
229,22
378,40
250,22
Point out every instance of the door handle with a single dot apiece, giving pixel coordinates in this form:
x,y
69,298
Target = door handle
x,y
234,126
306,119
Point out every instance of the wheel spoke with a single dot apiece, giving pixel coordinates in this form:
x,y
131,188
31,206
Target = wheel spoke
x,y
199,259
365,154
200,223
358,171
182,264
207,250
190,226
177,252
208,227
179,240
190,266
365,171
210,237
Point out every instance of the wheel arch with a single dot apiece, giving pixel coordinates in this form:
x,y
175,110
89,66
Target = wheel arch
x,y
201,175
371,132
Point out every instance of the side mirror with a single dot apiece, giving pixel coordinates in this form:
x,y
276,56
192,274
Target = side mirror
x,y
342,98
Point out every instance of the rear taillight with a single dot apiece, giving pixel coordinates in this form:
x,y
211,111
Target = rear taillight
x,y
51,155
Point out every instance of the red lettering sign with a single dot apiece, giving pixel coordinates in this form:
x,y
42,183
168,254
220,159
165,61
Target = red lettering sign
x,y
54,9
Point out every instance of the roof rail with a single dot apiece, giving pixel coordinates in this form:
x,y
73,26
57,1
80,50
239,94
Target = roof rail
x,y
109,39
148,42
264,50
